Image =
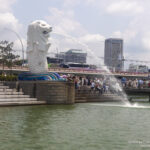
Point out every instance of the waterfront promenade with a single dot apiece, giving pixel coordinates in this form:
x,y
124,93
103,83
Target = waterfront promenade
x,y
43,93
65,93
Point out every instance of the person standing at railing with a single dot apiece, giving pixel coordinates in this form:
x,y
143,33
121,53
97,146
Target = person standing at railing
x,y
148,83
140,83
123,81
92,85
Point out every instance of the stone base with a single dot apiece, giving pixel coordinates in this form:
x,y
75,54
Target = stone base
x,y
53,92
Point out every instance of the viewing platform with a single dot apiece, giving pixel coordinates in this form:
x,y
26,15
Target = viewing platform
x,y
46,92
49,92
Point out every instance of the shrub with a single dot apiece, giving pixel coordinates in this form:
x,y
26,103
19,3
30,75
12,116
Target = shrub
x,y
8,78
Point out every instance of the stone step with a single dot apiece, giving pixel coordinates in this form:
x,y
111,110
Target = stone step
x,y
10,90
4,87
97,100
80,98
92,96
22,103
80,101
10,93
97,93
14,96
103,100
93,93
17,99
97,96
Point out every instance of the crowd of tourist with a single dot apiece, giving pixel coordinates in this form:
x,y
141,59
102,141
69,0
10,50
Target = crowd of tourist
x,y
135,83
102,85
105,84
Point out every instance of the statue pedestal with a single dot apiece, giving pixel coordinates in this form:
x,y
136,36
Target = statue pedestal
x,y
38,77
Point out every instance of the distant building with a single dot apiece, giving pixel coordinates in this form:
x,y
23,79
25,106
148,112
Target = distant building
x,y
113,54
60,55
138,68
76,56
54,60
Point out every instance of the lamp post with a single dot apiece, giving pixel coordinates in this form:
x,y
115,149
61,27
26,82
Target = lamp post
x,y
20,42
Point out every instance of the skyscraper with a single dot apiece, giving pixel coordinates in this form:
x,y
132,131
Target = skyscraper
x,y
113,55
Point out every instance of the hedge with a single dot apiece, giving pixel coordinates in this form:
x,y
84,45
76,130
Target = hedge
x,y
8,78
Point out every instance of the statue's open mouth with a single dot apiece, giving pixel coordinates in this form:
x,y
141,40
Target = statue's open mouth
x,y
45,32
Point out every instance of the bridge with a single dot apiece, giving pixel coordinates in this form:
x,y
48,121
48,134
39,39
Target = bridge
x,y
18,70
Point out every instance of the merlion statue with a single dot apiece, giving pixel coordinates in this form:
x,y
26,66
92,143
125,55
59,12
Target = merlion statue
x,y
38,45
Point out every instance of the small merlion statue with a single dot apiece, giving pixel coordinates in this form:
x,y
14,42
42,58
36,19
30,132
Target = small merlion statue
x,y
37,46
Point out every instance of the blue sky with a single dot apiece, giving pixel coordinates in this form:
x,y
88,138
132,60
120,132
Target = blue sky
x,y
87,21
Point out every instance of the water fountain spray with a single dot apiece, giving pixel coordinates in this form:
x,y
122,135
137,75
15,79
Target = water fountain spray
x,y
114,83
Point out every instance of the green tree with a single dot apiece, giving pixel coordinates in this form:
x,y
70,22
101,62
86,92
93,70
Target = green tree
x,y
6,54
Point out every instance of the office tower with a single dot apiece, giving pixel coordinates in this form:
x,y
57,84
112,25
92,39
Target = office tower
x,y
113,54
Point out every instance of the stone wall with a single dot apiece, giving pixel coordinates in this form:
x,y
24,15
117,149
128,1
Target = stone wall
x,y
51,91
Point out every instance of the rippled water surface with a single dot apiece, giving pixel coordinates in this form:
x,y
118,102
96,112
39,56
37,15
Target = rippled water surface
x,y
90,126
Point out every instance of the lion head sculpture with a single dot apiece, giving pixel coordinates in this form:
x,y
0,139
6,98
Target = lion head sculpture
x,y
38,45
37,35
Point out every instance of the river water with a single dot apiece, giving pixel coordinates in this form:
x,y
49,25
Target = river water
x,y
88,126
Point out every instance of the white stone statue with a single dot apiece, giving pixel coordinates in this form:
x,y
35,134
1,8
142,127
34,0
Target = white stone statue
x,y
38,45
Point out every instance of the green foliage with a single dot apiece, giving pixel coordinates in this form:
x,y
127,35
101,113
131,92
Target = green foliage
x,y
6,53
18,62
8,78
49,65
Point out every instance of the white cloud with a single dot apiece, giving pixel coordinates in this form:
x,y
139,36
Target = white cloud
x,y
92,38
72,33
117,34
129,21
6,5
63,22
91,1
126,6
126,35
71,3
66,30
146,41
9,21
9,24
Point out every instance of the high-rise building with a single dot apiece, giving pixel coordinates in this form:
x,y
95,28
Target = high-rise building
x,y
113,54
